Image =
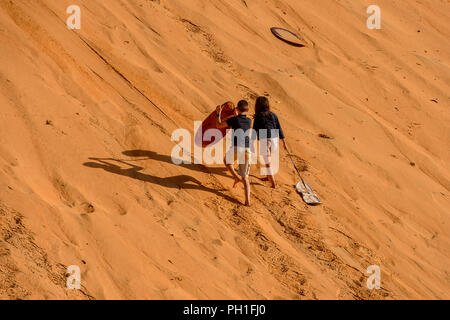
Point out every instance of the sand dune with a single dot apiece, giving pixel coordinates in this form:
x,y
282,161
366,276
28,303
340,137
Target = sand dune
x,y
86,176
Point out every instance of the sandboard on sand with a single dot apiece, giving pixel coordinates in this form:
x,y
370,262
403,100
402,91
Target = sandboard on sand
x,y
287,36
305,190
308,194
228,110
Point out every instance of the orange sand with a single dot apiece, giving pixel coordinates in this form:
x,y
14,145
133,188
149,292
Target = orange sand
x,y
145,228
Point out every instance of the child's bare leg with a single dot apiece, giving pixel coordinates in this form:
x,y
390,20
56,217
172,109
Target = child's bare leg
x,y
247,191
273,182
271,177
236,177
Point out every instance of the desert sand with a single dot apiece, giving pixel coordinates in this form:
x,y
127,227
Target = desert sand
x,y
86,177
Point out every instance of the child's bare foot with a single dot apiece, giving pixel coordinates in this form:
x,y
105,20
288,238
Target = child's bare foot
x,y
274,186
236,182
248,204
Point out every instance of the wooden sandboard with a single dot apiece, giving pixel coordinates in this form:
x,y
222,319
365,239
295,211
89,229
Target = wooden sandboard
x,y
287,36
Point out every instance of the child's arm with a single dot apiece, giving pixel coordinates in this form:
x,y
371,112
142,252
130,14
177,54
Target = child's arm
x,y
281,134
254,135
219,122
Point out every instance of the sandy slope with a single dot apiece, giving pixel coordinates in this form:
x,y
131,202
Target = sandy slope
x,y
86,177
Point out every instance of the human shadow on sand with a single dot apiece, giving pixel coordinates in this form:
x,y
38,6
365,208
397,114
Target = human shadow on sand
x,y
133,171
151,155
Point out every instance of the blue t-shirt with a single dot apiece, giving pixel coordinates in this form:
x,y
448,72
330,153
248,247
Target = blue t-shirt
x,y
240,125
269,123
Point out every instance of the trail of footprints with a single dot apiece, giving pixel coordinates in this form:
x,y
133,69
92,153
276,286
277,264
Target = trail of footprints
x,y
208,44
19,253
297,225
300,228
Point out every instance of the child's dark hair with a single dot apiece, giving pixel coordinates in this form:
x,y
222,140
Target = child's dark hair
x,y
243,106
262,106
